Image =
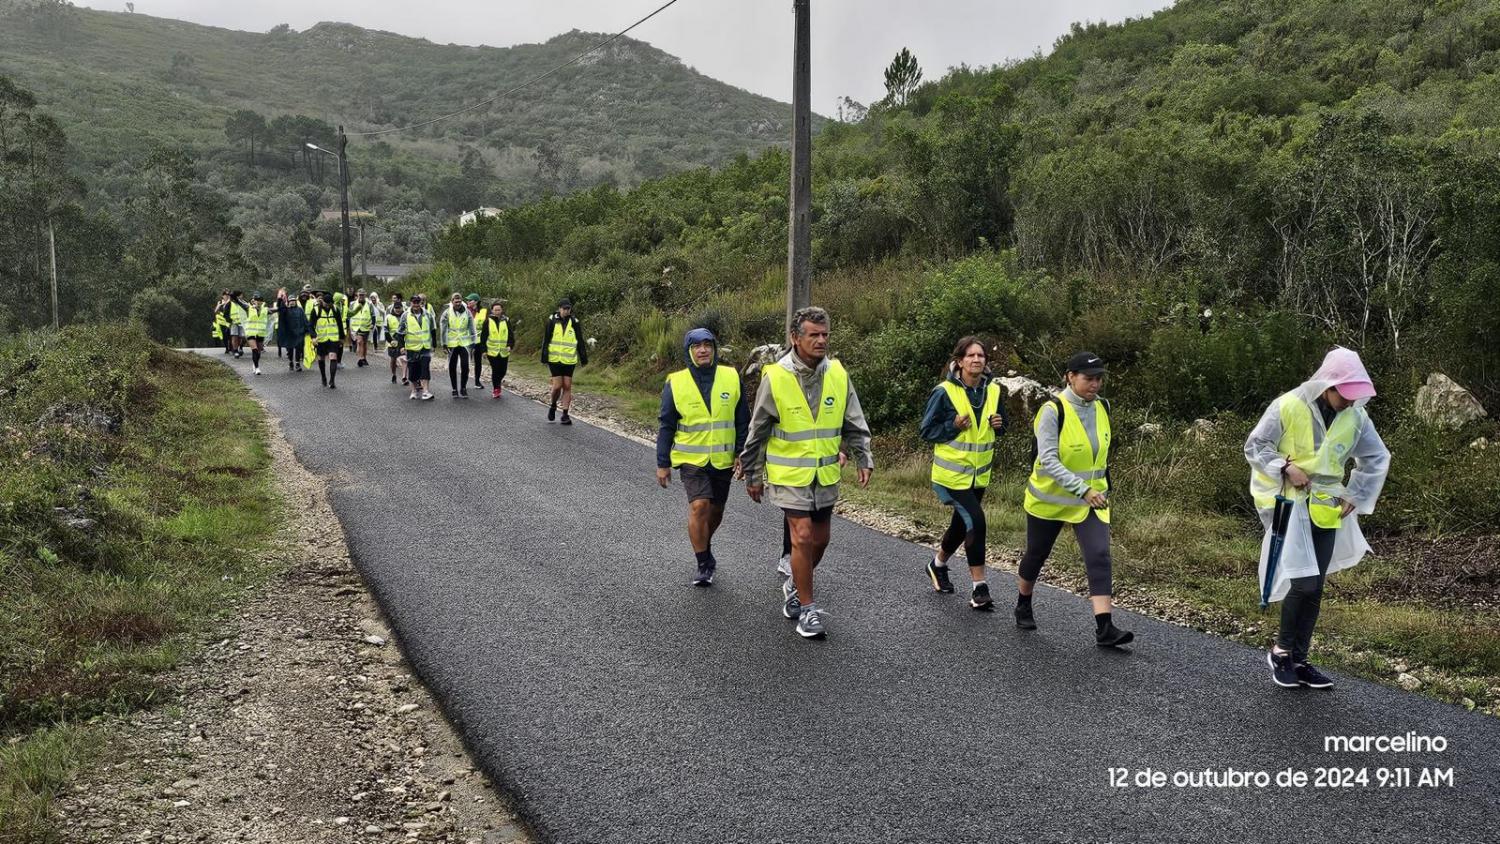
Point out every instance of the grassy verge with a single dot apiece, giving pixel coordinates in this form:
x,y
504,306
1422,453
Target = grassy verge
x,y
137,504
1190,557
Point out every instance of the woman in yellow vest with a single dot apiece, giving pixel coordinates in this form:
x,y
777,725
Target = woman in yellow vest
x,y
326,327
395,319
703,423
964,416
361,320
257,326
563,349
497,340
309,300
1300,450
1069,485
238,312
221,322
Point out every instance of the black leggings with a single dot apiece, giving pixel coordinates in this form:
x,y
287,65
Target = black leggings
x,y
1299,610
967,527
1093,539
478,365
458,356
498,367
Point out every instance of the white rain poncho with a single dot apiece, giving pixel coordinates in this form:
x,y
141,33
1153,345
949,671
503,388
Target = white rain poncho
x,y
1370,459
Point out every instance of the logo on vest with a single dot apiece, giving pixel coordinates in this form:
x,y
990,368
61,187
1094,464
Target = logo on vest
x,y
828,402
724,395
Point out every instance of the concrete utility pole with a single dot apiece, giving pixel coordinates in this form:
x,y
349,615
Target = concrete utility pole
x,y
364,254
344,205
52,239
799,230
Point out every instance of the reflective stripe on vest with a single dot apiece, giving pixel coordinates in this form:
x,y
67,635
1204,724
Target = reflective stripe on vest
x,y
418,331
1046,498
965,462
461,334
705,433
804,448
562,346
1320,454
497,342
325,325
257,321
360,318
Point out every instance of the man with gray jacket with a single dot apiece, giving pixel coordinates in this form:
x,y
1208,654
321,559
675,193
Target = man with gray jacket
x,y
804,409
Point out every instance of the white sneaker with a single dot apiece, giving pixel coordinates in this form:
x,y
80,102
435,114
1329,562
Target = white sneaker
x,y
412,397
257,370
426,396
784,567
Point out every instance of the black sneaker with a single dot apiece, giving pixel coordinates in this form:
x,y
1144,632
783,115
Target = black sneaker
x,y
705,576
552,413
1283,672
566,419
1112,636
332,386
463,393
393,379
980,600
1311,677
939,577
455,394
1024,617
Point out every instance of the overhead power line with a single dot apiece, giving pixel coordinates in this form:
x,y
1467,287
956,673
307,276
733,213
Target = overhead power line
x,y
532,81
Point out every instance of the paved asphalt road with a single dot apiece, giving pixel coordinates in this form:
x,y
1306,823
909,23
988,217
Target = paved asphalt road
x,y
539,582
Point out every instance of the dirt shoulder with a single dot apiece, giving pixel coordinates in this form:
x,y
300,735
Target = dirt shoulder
x,y
302,723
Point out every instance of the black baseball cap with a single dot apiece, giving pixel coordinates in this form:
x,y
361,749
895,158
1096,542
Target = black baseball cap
x,y
565,303
1087,363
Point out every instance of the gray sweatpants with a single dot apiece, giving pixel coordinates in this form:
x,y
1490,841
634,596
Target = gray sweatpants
x,y
1093,539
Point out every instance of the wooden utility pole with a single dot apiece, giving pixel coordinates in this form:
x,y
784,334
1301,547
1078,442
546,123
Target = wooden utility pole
x,y
52,239
344,205
799,230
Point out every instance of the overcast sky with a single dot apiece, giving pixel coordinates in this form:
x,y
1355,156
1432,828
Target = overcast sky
x,y
743,42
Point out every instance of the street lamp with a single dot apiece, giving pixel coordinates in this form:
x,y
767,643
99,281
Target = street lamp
x,y
343,157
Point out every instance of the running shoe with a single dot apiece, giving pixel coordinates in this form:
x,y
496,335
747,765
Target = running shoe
x,y
566,419
412,397
1024,617
455,394
393,379
791,605
405,381
333,386
552,413
1283,672
784,566
464,393
1311,677
810,624
495,393
1112,636
980,600
426,396
705,576
257,370
939,577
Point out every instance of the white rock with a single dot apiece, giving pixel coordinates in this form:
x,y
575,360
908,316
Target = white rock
x,y
406,707
179,804
1444,404
1408,682
374,640
1201,429
1149,430
340,821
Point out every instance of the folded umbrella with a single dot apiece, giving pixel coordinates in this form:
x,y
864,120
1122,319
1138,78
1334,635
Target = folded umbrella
x,y
1281,516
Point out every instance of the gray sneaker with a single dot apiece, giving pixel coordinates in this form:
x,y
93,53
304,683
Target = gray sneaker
x,y
784,566
791,605
810,624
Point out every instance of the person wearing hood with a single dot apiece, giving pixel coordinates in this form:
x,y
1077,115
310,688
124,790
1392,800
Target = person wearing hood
x,y
1301,449
804,408
704,420
964,416
257,327
456,327
1069,485
497,340
562,352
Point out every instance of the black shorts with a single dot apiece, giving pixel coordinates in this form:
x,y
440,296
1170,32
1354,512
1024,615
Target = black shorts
x,y
819,515
562,370
706,483
419,366
394,353
333,348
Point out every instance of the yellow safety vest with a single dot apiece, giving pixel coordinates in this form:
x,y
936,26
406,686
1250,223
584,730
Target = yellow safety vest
x,y
257,321
418,331
238,313
1048,499
705,433
805,448
966,462
562,346
221,319
325,322
392,328
498,343
1321,454
360,317
460,334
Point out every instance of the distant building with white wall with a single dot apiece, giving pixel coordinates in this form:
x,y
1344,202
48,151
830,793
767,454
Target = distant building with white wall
x,y
469,217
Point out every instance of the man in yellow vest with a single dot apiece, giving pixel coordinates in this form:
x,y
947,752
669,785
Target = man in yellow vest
x,y
361,322
326,327
805,407
497,340
456,327
238,312
221,322
1300,451
704,420
257,326
563,350
1069,485
419,335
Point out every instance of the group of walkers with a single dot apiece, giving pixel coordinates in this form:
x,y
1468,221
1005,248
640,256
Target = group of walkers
x,y
319,325
790,444
1314,453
